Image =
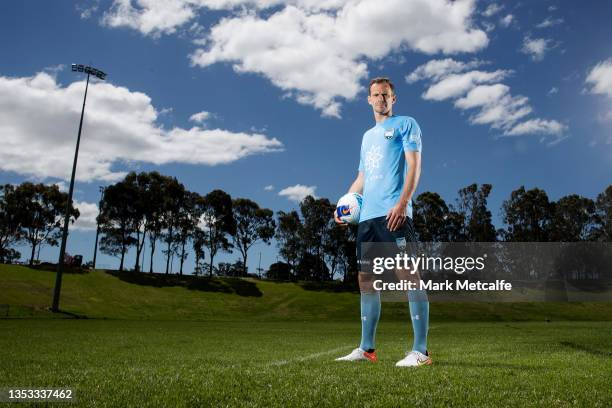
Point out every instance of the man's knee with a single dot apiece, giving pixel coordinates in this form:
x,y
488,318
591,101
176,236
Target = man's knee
x,y
366,282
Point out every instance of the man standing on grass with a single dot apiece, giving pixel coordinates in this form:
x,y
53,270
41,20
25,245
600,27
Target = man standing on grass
x,y
389,170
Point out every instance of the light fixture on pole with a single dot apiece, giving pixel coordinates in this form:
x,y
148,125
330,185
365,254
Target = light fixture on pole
x,y
60,265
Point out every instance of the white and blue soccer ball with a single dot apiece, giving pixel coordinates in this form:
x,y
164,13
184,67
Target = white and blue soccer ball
x,y
349,208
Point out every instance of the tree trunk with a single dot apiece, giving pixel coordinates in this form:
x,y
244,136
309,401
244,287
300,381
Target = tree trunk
x,y
152,253
244,264
210,269
168,257
139,246
182,257
122,257
136,265
142,257
33,251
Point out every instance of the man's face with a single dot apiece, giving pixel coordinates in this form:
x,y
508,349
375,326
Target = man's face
x,y
381,98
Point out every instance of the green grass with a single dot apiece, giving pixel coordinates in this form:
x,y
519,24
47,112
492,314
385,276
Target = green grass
x,y
185,363
28,292
167,342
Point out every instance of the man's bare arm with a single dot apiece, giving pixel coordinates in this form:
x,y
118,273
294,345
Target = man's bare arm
x,y
357,186
397,215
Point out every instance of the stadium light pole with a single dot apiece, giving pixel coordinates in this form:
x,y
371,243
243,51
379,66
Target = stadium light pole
x,y
98,226
60,265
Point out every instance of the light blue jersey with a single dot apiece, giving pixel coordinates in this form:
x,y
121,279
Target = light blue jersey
x,y
384,164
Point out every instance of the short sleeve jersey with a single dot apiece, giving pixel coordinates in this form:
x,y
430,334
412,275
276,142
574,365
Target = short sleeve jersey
x,y
384,164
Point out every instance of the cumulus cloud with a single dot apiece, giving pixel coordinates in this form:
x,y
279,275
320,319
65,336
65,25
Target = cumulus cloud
x,y
533,126
483,94
599,78
269,187
200,117
298,192
149,17
535,47
87,218
455,85
155,18
436,69
599,81
119,127
335,39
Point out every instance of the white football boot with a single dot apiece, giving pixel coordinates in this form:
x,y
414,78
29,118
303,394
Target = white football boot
x,y
359,355
414,359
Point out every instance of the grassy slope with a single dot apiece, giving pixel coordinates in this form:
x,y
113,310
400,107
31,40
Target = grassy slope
x,y
102,295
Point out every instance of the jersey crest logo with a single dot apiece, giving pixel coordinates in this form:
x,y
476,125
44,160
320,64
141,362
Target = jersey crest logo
x,y
389,133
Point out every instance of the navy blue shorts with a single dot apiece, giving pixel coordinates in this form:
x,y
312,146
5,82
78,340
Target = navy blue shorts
x,y
375,230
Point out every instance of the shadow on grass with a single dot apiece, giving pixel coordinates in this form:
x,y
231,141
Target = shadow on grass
x,y
333,286
69,315
52,267
240,287
586,349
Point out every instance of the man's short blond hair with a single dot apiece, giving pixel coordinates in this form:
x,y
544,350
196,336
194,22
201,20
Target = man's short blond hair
x,y
381,80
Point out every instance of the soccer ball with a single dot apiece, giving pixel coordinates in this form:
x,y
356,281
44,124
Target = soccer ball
x,y
349,208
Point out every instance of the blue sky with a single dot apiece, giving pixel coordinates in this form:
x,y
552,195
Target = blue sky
x,y
508,94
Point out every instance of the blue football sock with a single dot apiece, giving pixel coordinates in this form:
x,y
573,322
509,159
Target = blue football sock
x,y
419,313
370,313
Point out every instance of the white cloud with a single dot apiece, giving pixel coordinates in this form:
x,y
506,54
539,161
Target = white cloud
x,y
492,9
335,39
119,126
549,22
150,17
553,90
535,47
537,126
158,17
269,187
87,218
600,78
455,85
86,11
298,192
482,93
200,117
507,20
436,69
54,69
497,107
63,186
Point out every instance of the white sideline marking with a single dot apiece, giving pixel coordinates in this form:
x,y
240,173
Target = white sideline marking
x,y
308,357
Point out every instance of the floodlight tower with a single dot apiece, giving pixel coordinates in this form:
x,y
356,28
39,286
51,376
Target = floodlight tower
x,y
60,264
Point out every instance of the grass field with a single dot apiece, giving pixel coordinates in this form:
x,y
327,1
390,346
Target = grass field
x,y
100,295
161,342
176,364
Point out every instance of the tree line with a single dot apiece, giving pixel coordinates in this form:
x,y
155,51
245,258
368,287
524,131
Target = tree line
x,y
152,208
